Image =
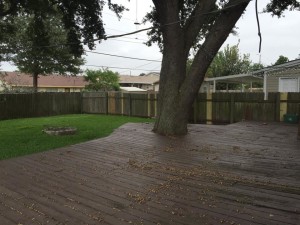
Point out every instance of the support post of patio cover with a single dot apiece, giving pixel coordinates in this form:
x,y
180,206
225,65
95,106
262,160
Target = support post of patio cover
x,y
265,86
214,90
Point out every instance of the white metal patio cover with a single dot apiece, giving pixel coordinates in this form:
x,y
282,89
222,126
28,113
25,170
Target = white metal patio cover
x,y
246,78
259,75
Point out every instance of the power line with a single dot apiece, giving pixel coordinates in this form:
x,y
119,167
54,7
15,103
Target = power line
x,y
138,67
120,56
134,42
123,68
115,16
134,38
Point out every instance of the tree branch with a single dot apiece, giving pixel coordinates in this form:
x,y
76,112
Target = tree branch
x,y
196,21
168,12
213,41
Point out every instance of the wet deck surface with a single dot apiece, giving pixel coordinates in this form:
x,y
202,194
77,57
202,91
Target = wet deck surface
x,y
245,173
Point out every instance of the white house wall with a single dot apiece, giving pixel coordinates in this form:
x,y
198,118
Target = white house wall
x,y
273,81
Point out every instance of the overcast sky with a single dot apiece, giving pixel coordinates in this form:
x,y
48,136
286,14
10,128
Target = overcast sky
x,y
280,37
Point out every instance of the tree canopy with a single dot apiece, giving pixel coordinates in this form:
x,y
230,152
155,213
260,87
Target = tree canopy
x,y
229,61
102,80
38,46
82,19
282,59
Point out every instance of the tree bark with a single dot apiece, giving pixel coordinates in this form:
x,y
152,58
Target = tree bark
x,y
178,89
35,82
172,112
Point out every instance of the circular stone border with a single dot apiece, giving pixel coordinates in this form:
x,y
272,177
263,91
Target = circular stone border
x,y
60,130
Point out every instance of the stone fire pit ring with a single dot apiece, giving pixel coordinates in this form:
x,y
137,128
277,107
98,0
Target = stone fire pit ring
x,y
58,131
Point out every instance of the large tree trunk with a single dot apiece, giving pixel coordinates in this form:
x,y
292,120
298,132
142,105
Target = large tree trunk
x,y
178,89
172,111
35,77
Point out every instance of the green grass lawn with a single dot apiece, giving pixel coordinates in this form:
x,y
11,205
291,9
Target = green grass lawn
x,y
24,136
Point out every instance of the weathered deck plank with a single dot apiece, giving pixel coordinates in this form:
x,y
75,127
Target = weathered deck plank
x,y
245,173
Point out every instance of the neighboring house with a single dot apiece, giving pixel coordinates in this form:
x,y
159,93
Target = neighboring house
x,y
280,78
283,78
16,81
132,89
146,82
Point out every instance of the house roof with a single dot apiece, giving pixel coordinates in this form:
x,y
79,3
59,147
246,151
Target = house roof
x,y
132,89
25,80
293,65
238,78
287,68
126,79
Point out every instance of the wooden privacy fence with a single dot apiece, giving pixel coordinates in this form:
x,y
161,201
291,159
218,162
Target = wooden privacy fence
x,y
216,108
223,108
118,103
38,104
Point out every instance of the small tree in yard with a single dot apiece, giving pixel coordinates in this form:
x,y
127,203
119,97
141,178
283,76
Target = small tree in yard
x,y
31,50
229,61
102,80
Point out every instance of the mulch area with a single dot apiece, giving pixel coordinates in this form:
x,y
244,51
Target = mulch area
x,y
244,173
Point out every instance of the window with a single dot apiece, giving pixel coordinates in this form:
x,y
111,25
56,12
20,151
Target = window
x,y
288,84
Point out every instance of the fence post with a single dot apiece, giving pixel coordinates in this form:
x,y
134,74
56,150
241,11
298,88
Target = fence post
x,y
277,107
129,99
122,104
283,105
209,108
155,105
81,102
106,102
149,106
232,108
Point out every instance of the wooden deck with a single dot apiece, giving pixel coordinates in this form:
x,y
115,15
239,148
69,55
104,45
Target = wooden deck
x,y
245,173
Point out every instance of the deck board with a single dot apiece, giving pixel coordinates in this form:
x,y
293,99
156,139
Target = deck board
x,y
243,173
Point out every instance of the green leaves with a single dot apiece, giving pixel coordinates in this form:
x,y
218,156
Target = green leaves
x,y
229,62
36,46
102,80
282,59
277,7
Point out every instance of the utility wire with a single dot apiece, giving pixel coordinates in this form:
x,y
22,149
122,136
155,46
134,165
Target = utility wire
x,y
120,56
133,42
138,67
110,14
115,67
